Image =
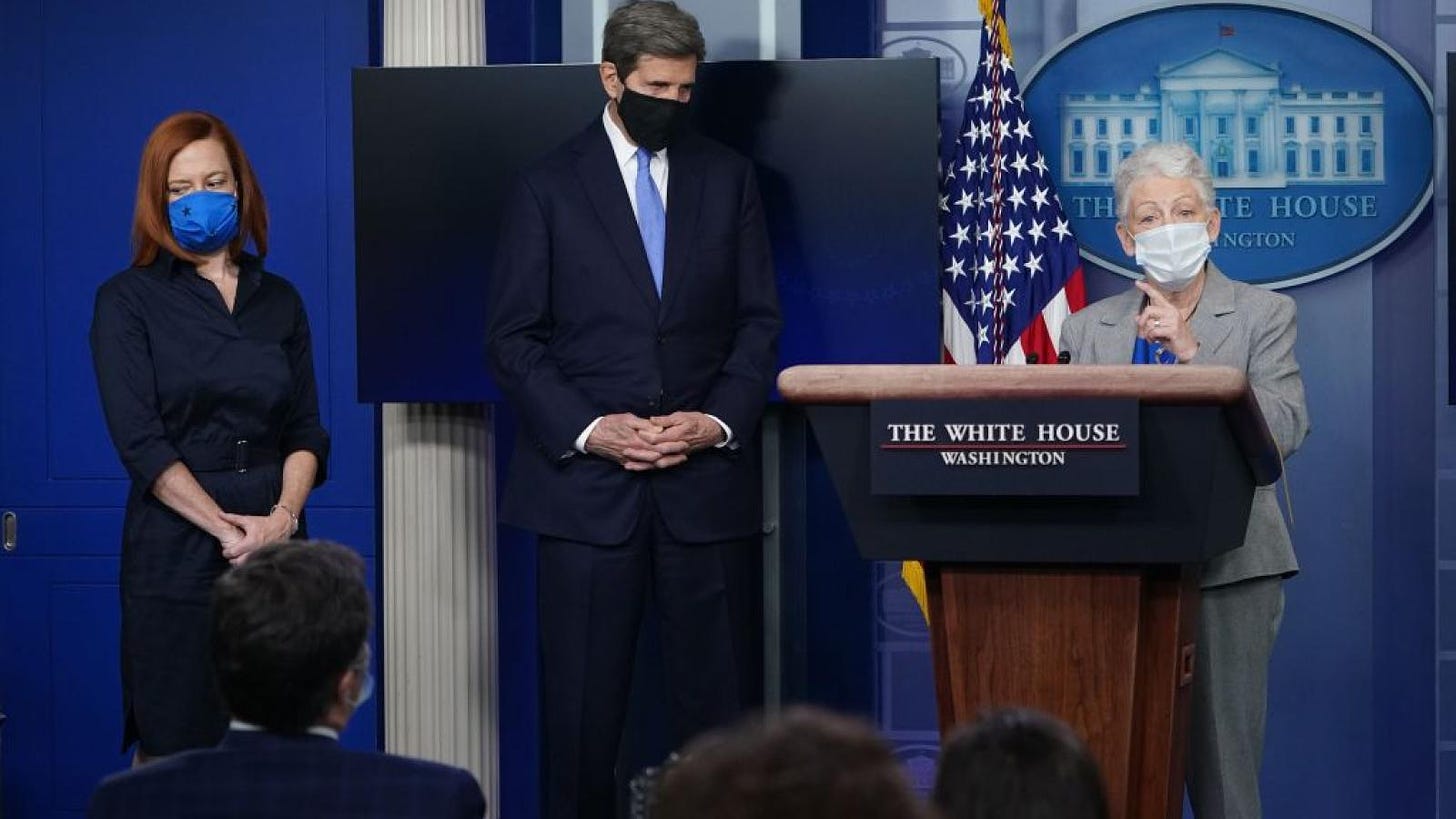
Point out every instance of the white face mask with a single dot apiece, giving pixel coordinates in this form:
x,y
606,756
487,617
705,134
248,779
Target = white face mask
x,y
1173,254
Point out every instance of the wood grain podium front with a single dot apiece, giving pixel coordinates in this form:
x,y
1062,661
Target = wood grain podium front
x,y
1082,607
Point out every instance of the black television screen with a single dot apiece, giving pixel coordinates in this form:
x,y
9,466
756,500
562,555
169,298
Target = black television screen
x,y
846,155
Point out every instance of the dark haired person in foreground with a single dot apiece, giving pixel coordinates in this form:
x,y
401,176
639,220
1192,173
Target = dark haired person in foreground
x,y
807,764
1018,764
290,648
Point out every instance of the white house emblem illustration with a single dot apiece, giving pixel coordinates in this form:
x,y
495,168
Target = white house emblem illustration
x,y
1252,130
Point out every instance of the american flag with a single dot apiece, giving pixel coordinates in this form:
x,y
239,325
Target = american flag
x,y
1011,273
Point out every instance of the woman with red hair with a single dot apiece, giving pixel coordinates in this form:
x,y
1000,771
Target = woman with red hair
x,y
205,371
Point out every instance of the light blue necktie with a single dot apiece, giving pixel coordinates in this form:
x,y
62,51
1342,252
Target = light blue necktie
x,y
651,218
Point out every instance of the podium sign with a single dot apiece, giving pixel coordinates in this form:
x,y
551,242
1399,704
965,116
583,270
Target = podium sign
x,y
1085,446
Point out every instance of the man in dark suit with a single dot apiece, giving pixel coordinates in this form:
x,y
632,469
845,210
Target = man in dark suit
x,y
633,326
289,642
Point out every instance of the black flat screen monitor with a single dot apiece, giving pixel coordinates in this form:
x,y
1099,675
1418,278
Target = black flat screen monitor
x,y
846,156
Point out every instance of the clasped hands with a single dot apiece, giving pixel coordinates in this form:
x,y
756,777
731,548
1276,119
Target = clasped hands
x,y
659,442
241,535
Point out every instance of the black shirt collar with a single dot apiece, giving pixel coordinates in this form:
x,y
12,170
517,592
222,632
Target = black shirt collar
x,y
250,273
249,265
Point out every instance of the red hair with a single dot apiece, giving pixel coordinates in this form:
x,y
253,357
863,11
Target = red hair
x,y
151,228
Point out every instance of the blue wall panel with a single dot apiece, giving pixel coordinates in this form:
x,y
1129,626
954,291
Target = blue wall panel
x,y
1404,605
1326,635
1404,549
84,685
838,28
60,697
522,31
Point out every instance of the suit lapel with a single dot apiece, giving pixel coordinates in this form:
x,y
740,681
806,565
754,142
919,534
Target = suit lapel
x,y
684,200
1214,319
602,181
1118,329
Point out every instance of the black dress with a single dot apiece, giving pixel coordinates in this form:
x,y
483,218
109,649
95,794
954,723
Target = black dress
x,y
230,395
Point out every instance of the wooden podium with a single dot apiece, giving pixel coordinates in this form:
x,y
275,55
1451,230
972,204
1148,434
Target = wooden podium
x,y
1082,607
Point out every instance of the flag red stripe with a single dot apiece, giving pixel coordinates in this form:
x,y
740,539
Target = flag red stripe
x,y
1076,290
1036,338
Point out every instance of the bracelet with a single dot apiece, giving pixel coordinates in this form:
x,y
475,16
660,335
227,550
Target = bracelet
x,y
292,518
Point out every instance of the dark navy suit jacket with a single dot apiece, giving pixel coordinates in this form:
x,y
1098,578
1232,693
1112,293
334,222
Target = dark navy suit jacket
x,y
256,774
577,330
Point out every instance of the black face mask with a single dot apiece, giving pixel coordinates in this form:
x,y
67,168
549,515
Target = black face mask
x,y
651,122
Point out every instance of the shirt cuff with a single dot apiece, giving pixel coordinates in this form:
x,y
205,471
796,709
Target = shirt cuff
x,y
580,443
727,433
148,461
312,439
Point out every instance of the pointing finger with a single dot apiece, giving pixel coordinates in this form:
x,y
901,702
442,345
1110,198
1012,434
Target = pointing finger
x,y
1155,296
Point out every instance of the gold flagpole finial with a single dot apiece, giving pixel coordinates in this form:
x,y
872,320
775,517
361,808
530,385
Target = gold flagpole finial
x,y
988,13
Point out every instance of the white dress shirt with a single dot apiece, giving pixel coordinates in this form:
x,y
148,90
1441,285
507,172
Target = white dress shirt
x,y
317,730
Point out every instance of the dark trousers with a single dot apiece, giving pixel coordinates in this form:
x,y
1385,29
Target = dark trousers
x,y
590,601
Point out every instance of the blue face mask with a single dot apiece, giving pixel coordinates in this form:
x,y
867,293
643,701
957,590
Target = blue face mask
x,y
204,221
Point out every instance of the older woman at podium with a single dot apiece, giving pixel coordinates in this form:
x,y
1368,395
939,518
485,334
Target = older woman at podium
x,y
1186,312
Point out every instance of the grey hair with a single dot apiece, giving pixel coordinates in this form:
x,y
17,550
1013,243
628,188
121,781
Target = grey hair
x,y
1175,160
652,27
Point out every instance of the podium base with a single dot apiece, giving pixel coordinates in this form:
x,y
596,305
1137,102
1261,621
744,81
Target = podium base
x,y
1108,650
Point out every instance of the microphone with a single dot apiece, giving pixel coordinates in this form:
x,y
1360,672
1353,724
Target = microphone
x,y
1032,358
1064,357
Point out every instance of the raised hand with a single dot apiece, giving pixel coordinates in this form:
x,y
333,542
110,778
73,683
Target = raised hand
x,y
1162,322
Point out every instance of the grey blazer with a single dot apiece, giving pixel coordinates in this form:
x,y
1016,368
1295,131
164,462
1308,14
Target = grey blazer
x,y
1237,325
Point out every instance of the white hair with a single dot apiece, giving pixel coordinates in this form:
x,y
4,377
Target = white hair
x,y
1175,160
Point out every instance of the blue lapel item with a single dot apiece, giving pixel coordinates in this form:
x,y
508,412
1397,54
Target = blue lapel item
x,y
1145,353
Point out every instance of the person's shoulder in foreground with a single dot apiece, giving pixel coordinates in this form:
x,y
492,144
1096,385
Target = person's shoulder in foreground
x,y
257,774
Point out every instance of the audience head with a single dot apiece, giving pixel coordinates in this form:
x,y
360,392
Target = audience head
x,y
807,764
1018,764
289,631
